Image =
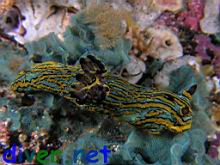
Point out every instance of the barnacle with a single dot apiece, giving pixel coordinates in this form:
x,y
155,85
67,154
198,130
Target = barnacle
x,y
156,42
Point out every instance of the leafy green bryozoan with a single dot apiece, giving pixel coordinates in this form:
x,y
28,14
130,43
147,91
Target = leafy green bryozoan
x,y
11,62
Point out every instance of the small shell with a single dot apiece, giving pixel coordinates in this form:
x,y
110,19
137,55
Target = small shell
x,y
5,5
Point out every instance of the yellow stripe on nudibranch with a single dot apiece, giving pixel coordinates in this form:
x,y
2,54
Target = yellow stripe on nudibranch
x,y
185,93
151,111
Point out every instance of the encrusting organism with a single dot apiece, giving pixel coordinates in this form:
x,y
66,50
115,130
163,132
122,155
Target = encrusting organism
x,y
90,84
6,5
10,17
164,44
157,42
171,5
106,23
4,134
11,21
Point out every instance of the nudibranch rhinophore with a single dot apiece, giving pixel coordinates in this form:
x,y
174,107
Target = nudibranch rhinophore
x,y
90,84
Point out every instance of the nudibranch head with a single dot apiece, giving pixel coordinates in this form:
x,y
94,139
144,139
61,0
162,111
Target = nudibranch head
x,y
181,114
178,111
163,110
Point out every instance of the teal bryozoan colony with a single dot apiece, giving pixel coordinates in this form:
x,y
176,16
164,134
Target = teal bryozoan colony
x,y
129,75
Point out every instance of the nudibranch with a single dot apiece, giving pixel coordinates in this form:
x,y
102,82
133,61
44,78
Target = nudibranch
x,y
90,84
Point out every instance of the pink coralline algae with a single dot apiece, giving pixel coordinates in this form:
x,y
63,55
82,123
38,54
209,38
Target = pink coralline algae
x,y
168,19
191,18
209,53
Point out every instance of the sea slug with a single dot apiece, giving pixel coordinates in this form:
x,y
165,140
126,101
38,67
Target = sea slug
x,y
90,84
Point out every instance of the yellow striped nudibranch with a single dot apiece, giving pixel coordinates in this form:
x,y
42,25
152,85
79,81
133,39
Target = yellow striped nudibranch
x,y
89,83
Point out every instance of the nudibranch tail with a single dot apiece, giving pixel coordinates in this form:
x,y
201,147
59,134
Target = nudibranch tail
x,y
49,77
